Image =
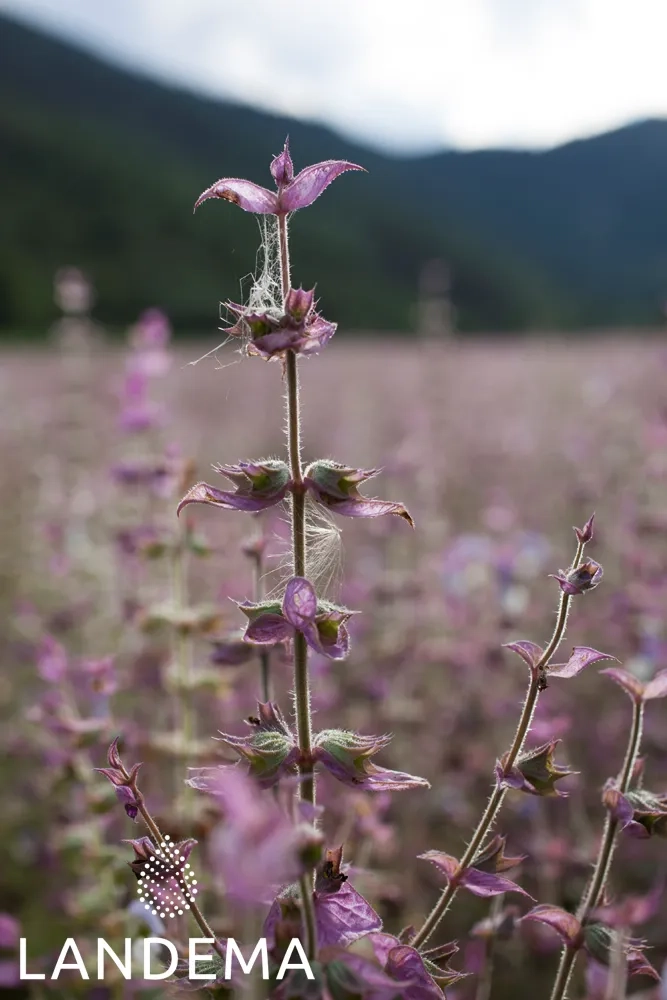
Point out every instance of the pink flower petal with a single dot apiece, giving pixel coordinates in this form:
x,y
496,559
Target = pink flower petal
x,y
344,916
248,196
311,182
582,656
630,684
444,862
489,884
565,924
656,688
203,493
300,603
368,508
529,651
267,629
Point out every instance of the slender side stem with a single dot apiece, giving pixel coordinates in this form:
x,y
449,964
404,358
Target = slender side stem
x,y
537,684
264,653
593,894
301,679
561,621
182,647
158,839
485,981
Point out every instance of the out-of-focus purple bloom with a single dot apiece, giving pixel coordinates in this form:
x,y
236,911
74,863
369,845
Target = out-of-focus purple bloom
x,y
578,580
257,848
324,625
632,911
160,476
143,540
293,192
73,292
483,878
347,756
337,487
534,772
638,690
640,813
10,974
153,330
270,750
52,663
582,656
341,913
268,334
101,675
258,485
499,926
10,932
149,339
231,650
138,412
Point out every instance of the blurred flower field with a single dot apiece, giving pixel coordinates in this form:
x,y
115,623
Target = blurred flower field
x,y
120,622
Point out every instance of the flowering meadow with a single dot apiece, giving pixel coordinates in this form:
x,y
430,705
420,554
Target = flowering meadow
x,y
384,699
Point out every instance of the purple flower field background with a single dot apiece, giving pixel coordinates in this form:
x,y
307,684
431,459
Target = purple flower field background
x,y
120,622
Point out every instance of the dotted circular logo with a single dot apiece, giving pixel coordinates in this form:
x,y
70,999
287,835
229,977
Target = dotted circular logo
x,y
167,886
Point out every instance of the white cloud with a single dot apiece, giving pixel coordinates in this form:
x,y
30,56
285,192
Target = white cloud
x,y
407,75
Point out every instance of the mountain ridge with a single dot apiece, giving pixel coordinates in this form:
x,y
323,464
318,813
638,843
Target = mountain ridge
x,y
105,164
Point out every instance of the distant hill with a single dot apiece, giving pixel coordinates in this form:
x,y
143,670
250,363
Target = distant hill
x,y
101,167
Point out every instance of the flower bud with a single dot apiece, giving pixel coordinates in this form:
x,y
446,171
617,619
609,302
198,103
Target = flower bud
x,y
337,487
299,303
639,813
535,771
579,579
601,942
585,534
258,485
271,750
282,168
347,756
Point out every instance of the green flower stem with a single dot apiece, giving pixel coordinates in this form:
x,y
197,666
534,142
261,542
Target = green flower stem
x,y
184,722
264,653
595,891
537,683
158,840
301,679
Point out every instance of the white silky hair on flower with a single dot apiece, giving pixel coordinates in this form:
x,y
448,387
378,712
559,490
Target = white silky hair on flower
x,y
324,548
265,292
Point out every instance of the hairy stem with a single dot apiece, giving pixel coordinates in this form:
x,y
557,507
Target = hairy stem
x,y
264,653
298,507
485,980
182,649
537,684
595,890
158,840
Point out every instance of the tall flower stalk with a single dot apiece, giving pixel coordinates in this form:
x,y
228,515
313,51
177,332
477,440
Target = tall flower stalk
x,y
302,707
269,846
284,330
635,810
539,662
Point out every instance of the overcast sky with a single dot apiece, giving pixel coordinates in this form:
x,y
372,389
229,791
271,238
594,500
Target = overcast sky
x,y
401,74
